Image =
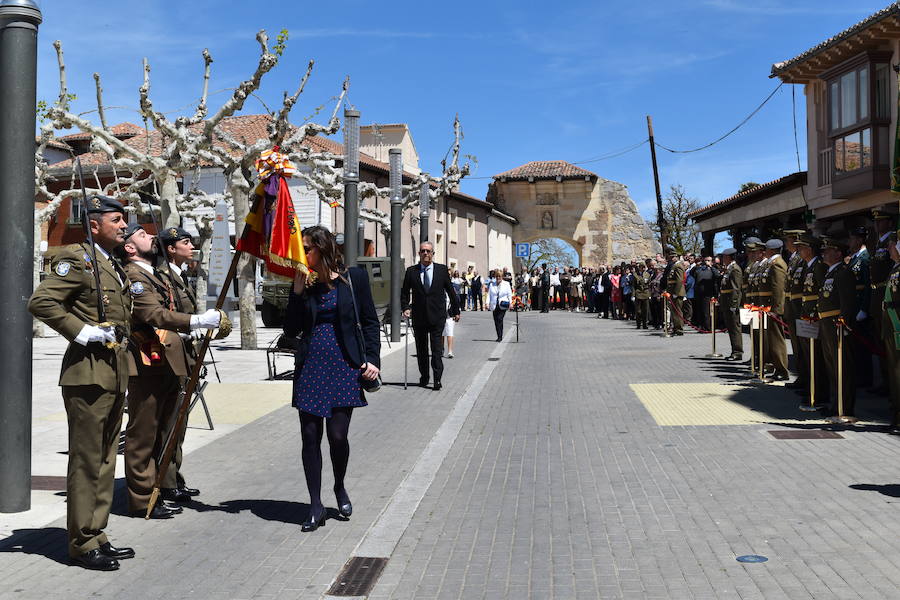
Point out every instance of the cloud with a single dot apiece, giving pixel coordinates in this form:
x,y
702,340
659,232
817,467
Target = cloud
x,y
777,8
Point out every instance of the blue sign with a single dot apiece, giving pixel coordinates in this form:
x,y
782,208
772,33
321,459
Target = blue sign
x,y
523,250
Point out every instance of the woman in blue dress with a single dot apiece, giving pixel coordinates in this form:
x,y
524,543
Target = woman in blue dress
x,y
333,355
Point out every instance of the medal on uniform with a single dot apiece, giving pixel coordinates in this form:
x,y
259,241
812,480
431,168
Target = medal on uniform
x,y
105,299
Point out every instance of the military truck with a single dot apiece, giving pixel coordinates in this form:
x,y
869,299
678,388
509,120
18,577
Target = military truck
x,y
276,289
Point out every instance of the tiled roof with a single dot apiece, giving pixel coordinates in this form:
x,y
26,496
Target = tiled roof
x,y
122,130
54,143
755,193
546,169
891,10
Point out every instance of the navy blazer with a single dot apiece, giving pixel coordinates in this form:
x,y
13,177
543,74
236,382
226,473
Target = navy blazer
x,y
300,320
429,308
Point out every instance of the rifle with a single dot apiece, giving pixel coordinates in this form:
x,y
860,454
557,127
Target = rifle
x,y
187,393
101,310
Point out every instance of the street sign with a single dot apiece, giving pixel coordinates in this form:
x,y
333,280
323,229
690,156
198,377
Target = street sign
x,y
523,250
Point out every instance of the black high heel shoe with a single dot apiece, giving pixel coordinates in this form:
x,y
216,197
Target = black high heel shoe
x,y
345,507
314,521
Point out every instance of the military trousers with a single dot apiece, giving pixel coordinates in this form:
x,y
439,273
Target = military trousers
x,y
891,360
641,311
732,322
876,316
152,398
675,312
798,348
95,418
775,346
828,335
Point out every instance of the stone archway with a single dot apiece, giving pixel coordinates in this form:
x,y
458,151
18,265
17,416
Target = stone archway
x,y
556,199
574,245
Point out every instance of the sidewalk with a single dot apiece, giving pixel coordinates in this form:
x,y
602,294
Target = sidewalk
x,y
589,460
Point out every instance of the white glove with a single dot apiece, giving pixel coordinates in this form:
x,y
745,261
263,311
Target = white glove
x,y
208,320
95,333
861,315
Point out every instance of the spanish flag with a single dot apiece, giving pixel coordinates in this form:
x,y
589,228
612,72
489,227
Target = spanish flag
x,y
274,229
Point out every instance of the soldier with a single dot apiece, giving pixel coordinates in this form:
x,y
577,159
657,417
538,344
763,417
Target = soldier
x,y
859,266
730,302
754,247
96,322
675,290
160,359
837,307
890,328
880,265
793,301
642,279
807,310
771,291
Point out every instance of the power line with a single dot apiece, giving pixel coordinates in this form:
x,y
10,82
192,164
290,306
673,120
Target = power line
x,y
736,127
613,154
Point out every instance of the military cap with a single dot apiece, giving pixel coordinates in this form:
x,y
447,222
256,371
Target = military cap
x,y
132,229
837,244
729,251
752,243
103,204
774,244
792,233
806,239
859,232
170,235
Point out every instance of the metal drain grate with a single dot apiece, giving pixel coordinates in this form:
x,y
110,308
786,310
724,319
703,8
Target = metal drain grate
x,y
358,576
493,359
48,482
805,434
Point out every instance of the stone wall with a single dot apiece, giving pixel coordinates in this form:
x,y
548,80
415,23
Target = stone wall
x,y
629,236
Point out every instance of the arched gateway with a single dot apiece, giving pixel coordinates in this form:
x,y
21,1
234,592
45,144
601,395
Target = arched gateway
x,y
556,199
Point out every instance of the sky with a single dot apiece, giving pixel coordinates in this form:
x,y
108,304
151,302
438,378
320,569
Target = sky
x,y
572,80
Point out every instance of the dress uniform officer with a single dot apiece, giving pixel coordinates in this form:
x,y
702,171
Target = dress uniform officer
x,y
94,374
793,301
837,305
880,266
159,361
754,247
812,276
642,279
890,330
770,293
675,289
730,302
859,266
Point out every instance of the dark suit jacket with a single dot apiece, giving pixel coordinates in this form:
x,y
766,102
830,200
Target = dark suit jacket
x,y
300,319
428,309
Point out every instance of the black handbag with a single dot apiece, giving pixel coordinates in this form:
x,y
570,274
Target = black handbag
x,y
369,385
287,343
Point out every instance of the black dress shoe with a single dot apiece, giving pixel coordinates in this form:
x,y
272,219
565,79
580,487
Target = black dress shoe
x,y
160,511
175,495
96,561
423,381
188,490
437,386
111,551
780,377
314,521
345,507
173,507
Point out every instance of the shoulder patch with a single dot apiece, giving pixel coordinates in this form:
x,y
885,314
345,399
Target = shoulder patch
x,y
137,288
62,268
87,258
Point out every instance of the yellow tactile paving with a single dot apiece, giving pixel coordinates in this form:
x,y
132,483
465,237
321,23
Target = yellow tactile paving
x,y
718,403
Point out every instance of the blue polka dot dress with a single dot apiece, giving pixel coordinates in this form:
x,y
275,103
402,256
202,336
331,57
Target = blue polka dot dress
x,y
327,380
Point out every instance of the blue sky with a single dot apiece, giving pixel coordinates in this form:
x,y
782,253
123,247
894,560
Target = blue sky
x,y
571,80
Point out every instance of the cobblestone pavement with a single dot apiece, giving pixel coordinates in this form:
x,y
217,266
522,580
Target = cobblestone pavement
x,y
537,472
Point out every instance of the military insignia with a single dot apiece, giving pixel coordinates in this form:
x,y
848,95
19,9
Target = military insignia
x,y
105,299
137,288
173,232
62,268
87,257
881,253
96,202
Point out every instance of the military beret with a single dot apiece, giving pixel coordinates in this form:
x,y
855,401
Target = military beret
x,y
104,204
859,232
132,229
729,251
170,235
837,244
774,244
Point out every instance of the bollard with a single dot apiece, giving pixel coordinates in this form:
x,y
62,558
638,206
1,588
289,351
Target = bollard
x,y
762,340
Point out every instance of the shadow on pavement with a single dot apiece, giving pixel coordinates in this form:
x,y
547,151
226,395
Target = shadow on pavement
x,y
283,511
891,489
49,542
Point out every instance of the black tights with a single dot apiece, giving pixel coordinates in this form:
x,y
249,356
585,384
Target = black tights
x,y
311,433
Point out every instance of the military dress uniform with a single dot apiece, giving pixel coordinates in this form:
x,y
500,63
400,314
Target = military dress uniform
x,y
676,291
813,276
749,297
730,301
793,305
837,299
642,298
890,335
770,293
93,379
160,360
880,266
859,266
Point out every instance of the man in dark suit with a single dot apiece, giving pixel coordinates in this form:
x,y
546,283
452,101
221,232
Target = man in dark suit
x,y
429,284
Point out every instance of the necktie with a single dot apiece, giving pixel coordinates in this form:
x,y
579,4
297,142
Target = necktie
x,y
426,280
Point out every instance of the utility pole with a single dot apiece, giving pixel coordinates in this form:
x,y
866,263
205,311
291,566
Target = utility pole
x,y
660,219
19,21
351,187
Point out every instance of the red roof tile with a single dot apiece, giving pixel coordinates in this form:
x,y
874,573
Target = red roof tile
x,y
754,193
121,130
546,169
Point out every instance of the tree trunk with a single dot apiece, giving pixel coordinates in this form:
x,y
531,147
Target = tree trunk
x,y
37,327
204,241
168,193
239,190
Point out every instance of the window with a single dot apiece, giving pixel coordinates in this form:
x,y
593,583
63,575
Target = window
x,y
470,229
75,211
438,245
453,225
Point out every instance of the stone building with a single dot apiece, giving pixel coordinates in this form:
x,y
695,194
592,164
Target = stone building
x,y
556,199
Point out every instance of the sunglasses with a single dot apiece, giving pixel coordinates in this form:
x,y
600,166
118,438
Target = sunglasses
x,y
426,251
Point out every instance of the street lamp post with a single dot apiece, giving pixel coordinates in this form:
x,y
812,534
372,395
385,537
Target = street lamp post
x,y
19,21
351,185
396,182
424,211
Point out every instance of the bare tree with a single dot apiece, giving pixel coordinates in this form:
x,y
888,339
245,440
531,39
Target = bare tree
x,y
552,251
676,208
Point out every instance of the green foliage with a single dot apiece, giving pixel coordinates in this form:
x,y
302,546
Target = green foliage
x,y
43,108
280,43
747,186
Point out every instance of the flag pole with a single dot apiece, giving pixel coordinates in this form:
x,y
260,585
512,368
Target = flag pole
x,y
188,392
